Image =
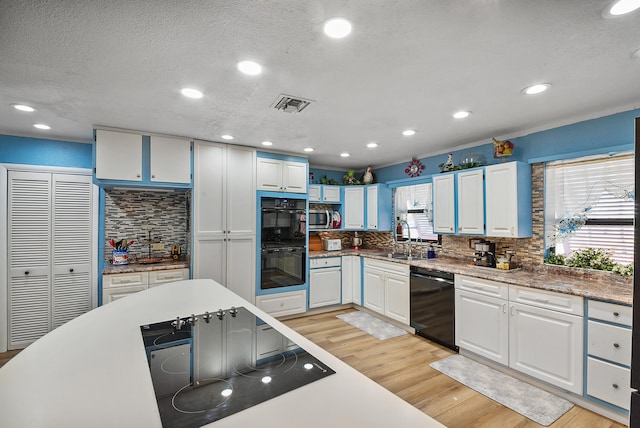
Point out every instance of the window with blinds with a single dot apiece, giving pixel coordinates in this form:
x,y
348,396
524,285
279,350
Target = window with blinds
x,y
414,204
589,203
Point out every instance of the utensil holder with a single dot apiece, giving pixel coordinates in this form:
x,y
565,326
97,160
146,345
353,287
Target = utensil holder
x,y
120,257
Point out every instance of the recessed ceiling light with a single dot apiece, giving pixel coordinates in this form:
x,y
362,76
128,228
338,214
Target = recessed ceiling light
x,y
536,89
309,149
23,107
337,28
191,93
408,132
345,155
267,143
41,126
461,114
620,7
372,145
227,137
250,68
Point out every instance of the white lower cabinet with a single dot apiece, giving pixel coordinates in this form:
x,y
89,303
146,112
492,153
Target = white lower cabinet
x,y
386,289
280,304
492,321
609,382
324,282
482,325
546,345
351,280
158,277
119,285
609,353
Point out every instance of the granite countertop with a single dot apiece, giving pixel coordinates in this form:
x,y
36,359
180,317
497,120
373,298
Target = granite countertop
x,y
584,283
146,267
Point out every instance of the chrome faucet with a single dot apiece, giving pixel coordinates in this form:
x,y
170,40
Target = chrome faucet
x,y
408,235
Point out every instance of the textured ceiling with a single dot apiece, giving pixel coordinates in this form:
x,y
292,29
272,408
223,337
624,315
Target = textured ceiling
x,y
407,64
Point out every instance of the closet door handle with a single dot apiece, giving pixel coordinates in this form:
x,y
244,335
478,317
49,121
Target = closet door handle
x,y
26,272
71,270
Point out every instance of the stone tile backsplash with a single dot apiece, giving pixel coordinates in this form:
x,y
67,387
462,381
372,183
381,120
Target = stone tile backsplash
x,y
131,214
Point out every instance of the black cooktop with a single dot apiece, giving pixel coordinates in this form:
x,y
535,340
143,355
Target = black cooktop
x,y
209,366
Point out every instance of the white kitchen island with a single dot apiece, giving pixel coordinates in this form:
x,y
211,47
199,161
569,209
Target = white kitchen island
x,y
93,372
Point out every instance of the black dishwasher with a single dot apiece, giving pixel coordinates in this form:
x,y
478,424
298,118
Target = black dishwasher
x,y
433,306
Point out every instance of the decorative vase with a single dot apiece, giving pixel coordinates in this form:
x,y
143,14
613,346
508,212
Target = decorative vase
x,y
120,257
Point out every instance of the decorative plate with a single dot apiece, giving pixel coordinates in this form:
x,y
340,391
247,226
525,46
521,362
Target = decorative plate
x,y
414,168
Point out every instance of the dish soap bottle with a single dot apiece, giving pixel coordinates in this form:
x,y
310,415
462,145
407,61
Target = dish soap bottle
x,y
399,236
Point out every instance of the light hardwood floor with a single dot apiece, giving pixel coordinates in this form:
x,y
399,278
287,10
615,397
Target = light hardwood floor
x,y
401,365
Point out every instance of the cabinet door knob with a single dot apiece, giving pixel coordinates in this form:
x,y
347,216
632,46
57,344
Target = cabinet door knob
x,y
71,270
616,345
153,176
137,175
615,386
616,314
26,272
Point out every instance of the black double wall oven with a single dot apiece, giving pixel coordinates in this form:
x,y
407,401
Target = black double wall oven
x,y
283,242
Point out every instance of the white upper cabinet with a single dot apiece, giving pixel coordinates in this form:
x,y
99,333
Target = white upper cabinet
x,y
444,203
314,193
294,177
281,176
508,200
471,202
324,193
118,156
379,209
170,160
354,208
331,194
498,207
141,160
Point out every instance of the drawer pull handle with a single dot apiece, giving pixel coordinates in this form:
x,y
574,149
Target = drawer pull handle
x,y
537,299
615,386
616,314
616,345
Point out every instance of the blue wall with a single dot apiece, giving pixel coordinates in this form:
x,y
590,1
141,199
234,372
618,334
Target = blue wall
x,y
36,151
591,136
319,174
596,135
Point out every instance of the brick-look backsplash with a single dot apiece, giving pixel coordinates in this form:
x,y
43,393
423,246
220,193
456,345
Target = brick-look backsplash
x,y
529,251
129,213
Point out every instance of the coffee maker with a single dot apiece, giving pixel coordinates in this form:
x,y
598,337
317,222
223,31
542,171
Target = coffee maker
x,y
485,254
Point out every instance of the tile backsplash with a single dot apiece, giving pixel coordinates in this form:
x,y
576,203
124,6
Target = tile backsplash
x,y
131,214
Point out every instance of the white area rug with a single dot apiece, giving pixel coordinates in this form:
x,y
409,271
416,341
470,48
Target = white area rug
x,y
534,403
374,326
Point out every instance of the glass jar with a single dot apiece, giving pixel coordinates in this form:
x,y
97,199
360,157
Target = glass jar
x,y
472,160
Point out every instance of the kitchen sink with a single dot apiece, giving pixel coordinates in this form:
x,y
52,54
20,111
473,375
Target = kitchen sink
x,y
399,256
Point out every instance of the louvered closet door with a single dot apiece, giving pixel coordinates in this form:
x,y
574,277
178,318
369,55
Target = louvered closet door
x,y
71,247
29,229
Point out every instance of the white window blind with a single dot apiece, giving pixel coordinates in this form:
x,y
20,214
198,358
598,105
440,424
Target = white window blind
x,y
414,204
589,203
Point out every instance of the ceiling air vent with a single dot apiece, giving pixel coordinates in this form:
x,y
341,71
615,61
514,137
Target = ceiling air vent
x,y
290,104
